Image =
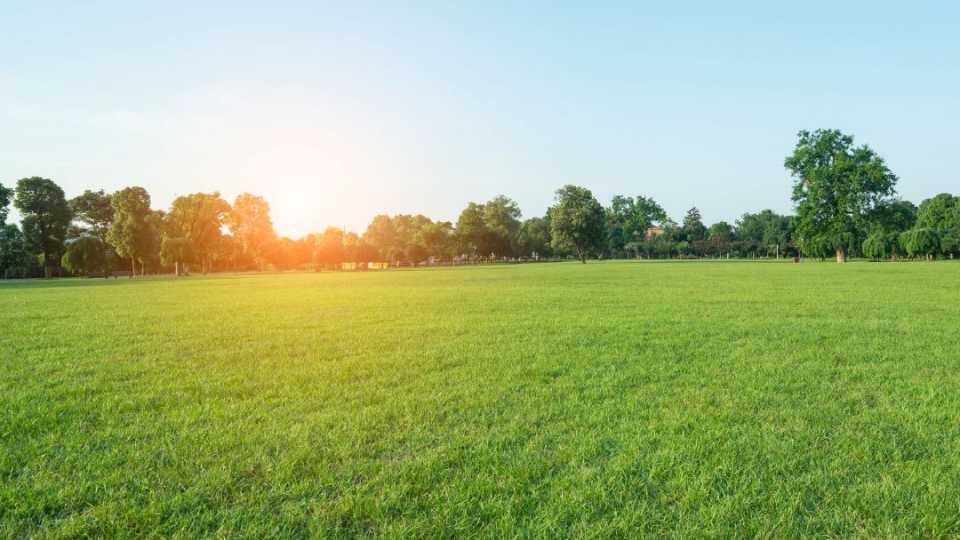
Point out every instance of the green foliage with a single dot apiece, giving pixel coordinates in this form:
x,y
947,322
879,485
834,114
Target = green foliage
x,y
15,261
6,197
942,213
722,231
501,218
45,217
893,216
921,241
877,245
836,187
534,238
693,227
577,222
94,211
490,228
131,233
250,223
198,219
84,255
628,220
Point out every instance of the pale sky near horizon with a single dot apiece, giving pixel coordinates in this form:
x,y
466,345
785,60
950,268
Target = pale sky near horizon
x,y
336,112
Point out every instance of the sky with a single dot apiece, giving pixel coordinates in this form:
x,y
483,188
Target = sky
x,y
339,111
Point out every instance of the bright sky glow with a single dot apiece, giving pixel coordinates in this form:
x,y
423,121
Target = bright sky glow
x,y
336,112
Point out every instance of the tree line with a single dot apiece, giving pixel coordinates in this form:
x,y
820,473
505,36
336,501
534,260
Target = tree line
x,y
844,196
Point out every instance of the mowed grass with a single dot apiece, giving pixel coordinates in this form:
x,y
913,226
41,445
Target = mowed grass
x,y
615,399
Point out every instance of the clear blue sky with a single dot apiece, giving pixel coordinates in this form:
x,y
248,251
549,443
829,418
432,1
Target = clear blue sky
x,y
339,111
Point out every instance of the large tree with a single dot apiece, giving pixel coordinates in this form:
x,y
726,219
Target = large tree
x,y
198,219
250,223
45,217
131,233
836,187
577,222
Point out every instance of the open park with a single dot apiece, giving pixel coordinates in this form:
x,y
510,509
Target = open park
x,y
602,400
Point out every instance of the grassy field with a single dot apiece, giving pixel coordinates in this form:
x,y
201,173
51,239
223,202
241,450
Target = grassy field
x,y
603,400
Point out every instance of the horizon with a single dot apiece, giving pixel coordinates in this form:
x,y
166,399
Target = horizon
x,y
338,114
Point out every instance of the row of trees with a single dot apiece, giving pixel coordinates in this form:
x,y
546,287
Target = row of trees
x,y
844,197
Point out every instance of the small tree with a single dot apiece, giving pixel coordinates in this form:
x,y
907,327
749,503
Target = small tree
x,y
84,255
131,232
921,241
693,228
877,245
577,222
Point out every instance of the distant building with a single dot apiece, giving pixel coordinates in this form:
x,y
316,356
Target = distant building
x,y
652,232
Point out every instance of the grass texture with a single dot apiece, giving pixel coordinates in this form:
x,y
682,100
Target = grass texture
x,y
606,400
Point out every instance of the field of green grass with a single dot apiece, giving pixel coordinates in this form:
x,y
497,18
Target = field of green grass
x,y
610,399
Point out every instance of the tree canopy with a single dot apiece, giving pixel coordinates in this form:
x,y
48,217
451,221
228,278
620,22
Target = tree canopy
x,y
577,222
45,217
130,233
836,186
250,223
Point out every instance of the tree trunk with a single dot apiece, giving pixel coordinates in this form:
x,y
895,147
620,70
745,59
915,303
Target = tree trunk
x,y
841,255
133,267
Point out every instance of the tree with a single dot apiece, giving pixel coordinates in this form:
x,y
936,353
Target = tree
x,y
577,222
501,217
764,229
836,187
722,231
173,252
84,255
438,239
628,220
15,261
939,212
472,233
693,228
381,235
131,232
942,213
329,247
534,238
877,245
94,211
250,223
45,217
921,241
198,219
894,216
6,195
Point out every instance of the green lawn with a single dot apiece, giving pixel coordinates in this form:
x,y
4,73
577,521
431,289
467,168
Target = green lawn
x,y
604,400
